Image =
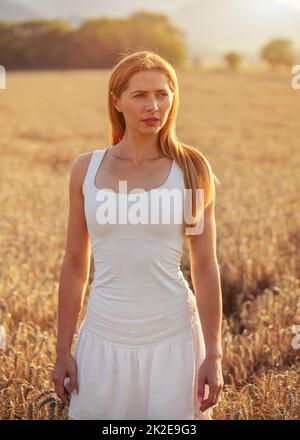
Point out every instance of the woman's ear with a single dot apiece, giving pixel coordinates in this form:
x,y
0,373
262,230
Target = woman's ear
x,y
115,102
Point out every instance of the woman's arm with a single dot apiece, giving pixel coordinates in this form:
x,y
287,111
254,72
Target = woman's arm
x,y
206,282
75,267
73,279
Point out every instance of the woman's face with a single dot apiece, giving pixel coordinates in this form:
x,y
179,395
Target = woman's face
x,y
148,95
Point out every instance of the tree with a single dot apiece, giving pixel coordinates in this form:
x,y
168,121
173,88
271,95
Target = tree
x,y
233,60
32,43
278,52
156,32
95,44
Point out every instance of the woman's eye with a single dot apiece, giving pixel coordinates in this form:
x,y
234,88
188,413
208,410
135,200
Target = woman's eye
x,y
140,95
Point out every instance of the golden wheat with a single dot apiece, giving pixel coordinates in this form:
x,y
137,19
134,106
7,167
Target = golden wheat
x,y
247,124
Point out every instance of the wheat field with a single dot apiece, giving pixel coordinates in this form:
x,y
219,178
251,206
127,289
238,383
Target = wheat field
x,y
247,125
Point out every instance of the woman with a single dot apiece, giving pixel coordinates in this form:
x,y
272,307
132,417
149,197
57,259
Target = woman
x,y
143,350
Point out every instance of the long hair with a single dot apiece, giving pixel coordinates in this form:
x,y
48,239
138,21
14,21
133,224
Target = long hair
x,y
196,169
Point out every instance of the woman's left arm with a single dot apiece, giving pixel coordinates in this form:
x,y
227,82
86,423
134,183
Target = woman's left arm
x,y
205,277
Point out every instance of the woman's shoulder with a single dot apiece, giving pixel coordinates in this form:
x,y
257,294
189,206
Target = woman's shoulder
x,y
79,167
80,163
82,160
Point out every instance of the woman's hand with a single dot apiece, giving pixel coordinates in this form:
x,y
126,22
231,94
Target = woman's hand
x,y
210,373
65,367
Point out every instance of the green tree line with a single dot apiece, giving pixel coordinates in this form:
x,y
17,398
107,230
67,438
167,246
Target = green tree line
x,y
277,52
46,44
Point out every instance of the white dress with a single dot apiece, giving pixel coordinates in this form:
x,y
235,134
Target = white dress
x,y
140,345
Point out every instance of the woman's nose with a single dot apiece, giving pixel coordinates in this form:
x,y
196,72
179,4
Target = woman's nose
x,y
152,103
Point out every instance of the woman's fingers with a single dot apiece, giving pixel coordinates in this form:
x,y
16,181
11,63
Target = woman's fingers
x,y
214,392
201,384
211,396
73,383
64,377
61,391
67,384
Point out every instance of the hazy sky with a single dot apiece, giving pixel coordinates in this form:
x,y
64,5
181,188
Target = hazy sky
x,y
69,5
211,26
294,3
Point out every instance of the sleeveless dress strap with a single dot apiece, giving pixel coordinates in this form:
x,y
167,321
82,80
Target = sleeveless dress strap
x,y
177,177
94,163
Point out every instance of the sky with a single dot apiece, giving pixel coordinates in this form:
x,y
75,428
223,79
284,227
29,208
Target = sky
x,y
211,26
293,3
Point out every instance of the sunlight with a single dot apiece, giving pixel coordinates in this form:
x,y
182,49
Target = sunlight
x,y
293,3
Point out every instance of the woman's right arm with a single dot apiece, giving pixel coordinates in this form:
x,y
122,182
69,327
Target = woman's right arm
x,y
73,280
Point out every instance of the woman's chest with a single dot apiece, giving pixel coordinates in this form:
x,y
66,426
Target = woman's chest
x,y
145,177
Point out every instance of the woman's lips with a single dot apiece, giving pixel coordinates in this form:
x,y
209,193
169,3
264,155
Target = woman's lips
x,y
150,121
